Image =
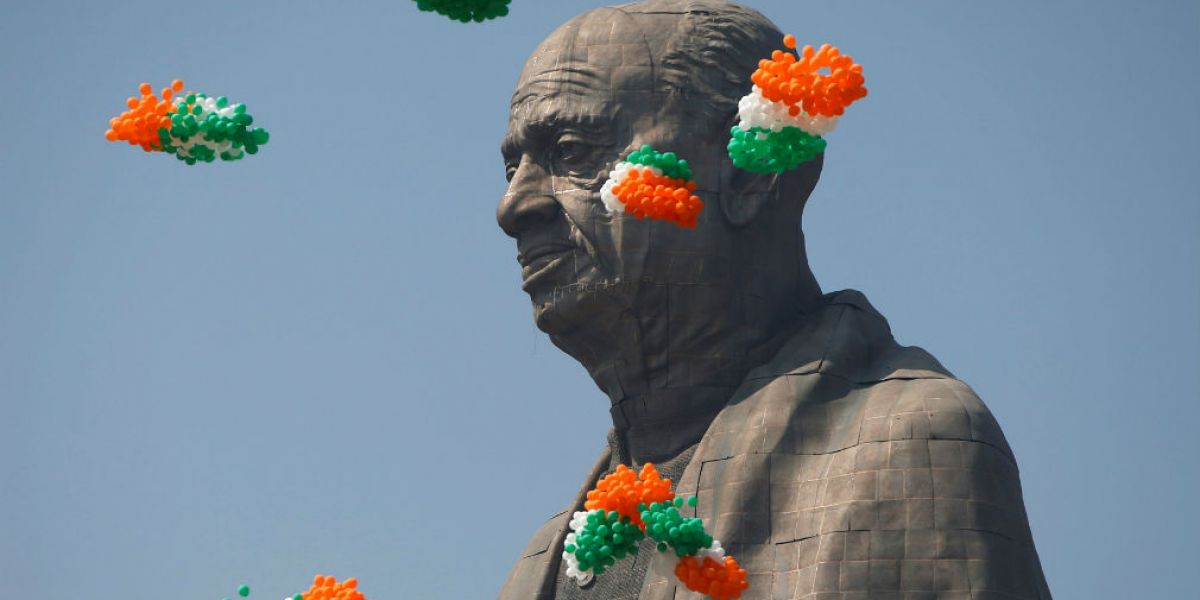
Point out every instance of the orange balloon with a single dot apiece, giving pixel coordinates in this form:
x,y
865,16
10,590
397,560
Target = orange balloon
x,y
821,82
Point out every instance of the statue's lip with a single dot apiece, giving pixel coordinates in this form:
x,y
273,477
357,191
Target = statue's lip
x,y
535,275
527,256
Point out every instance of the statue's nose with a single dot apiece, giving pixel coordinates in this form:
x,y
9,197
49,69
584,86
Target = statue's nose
x,y
529,200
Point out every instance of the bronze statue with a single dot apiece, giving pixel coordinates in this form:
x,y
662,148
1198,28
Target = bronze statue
x,y
832,462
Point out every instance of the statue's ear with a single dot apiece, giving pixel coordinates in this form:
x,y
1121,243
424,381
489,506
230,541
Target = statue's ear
x,y
744,195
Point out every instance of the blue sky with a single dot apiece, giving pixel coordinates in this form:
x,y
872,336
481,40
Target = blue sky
x,y
319,359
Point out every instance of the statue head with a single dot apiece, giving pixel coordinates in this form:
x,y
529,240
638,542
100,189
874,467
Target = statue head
x,y
646,305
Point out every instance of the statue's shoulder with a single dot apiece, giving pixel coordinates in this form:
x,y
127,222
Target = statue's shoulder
x,y
528,577
928,409
844,336
843,380
906,393
851,462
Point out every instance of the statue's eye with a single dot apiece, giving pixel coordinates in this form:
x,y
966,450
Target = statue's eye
x,y
570,151
575,155
510,171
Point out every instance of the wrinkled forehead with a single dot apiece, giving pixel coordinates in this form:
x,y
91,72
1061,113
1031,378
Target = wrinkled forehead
x,y
588,64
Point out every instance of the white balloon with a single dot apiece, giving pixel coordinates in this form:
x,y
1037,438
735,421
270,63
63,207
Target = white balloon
x,y
754,110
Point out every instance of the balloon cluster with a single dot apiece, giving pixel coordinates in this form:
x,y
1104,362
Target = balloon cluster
x,y
146,115
192,126
721,579
800,84
325,587
764,151
598,540
624,489
624,508
794,102
655,185
466,10
666,526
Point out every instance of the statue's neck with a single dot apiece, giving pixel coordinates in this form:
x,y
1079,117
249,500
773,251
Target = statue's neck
x,y
667,377
658,425
659,413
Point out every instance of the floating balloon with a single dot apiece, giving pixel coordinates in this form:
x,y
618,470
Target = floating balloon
x,y
192,126
466,10
623,509
795,101
655,185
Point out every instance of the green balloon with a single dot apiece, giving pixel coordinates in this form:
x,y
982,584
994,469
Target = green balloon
x,y
466,11
764,151
667,162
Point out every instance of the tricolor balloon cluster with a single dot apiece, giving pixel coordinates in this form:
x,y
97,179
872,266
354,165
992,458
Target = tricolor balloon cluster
x,y
192,126
466,10
324,587
655,185
795,101
627,506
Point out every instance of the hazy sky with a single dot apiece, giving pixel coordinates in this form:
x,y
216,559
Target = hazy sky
x,y
319,359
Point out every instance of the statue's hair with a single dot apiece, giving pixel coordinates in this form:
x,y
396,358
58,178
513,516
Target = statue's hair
x,y
712,52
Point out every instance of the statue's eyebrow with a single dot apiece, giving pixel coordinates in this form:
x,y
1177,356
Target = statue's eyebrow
x,y
556,118
559,120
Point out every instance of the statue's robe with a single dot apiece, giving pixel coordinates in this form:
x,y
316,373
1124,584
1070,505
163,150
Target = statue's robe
x,y
847,467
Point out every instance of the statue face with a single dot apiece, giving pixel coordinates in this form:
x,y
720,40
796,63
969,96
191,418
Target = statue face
x,y
586,98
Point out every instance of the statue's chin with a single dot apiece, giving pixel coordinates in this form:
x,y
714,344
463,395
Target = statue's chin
x,y
557,316
565,311
547,319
